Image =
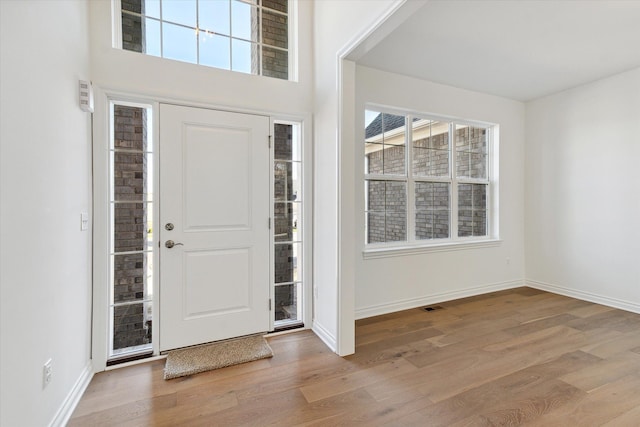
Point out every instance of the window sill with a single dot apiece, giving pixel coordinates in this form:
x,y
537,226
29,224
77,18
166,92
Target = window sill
x,y
386,252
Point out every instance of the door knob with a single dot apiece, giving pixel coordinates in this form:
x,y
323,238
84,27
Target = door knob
x,y
170,243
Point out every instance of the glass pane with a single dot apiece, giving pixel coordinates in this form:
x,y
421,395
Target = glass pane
x,y
285,148
478,165
375,227
393,159
384,143
279,5
430,148
244,21
432,210
386,203
463,164
215,51
464,196
179,43
179,11
395,226
287,222
374,158
471,151
441,220
130,125
375,194
432,196
479,223
275,63
242,58
213,15
152,37
372,123
287,182
393,127
132,5
132,229
472,210
395,196
131,326
287,302
424,224
130,178
152,8
287,267
275,29
132,32
465,225
129,272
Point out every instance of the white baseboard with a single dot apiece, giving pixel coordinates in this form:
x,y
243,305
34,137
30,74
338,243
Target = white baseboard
x,y
327,337
71,401
586,296
406,304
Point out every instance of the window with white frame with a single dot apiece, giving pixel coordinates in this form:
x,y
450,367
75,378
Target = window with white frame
x,y
427,179
248,36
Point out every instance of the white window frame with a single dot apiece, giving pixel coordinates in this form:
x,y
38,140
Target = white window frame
x,y
292,45
411,245
304,299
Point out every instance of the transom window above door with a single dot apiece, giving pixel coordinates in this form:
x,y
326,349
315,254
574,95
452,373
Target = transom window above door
x,y
247,36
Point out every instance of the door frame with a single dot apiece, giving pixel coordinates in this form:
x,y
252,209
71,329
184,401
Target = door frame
x,y
103,97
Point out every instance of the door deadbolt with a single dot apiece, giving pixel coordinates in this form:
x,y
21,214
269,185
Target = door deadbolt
x,y
168,226
170,243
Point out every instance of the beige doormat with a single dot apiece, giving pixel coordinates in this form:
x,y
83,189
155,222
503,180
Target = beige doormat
x,y
192,360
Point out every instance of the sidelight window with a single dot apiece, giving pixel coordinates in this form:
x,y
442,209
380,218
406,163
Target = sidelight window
x,y
131,231
288,226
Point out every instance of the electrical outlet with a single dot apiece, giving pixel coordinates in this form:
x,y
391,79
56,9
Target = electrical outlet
x,y
47,373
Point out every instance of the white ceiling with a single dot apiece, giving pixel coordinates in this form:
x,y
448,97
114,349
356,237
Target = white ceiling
x,y
519,49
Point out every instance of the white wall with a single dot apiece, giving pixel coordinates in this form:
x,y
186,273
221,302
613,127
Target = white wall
x,y
395,283
46,183
336,24
583,191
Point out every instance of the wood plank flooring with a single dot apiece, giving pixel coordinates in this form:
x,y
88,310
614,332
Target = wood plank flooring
x,y
517,357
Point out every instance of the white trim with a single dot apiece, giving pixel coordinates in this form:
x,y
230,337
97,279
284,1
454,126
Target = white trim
x,y
585,296
116,24
135,362
388,251
306,218
103,96
376,310
452,179
71,401
287,332
326,336
344,342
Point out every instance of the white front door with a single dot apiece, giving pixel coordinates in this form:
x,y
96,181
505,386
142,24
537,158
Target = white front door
x,y
214,206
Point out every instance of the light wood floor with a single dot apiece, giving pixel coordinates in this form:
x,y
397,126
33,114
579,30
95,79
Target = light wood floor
x,y
509,358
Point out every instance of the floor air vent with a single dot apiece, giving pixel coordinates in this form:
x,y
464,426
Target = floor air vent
x,y
432,308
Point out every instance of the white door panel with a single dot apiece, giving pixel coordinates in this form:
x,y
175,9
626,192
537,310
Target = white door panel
x,y
214,189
